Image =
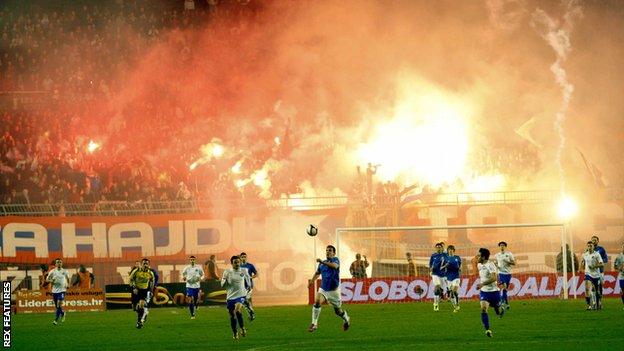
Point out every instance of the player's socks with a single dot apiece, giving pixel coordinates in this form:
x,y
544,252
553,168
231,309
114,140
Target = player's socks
x,y
344,316
247,306
139,314
239,317
191,308
504,296
485,319
59,312
316,311
588,300
622,298
598,301
233,325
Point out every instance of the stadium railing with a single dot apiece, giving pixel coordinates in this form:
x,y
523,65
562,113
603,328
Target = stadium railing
x,y
125,208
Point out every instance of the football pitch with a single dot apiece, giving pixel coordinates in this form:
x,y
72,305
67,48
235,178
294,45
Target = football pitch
x,y
529,325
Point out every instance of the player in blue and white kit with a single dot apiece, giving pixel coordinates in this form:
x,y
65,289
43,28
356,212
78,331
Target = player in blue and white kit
x,y
592,262
490,294
504,261
329,270
452,266
605,259
236,280
253,273
619,266
192,274
59,278
436,263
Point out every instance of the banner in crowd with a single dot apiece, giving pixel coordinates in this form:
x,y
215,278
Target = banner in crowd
x,y
40,301
411,289
166,295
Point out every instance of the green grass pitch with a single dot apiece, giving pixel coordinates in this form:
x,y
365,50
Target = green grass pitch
x,y
529,325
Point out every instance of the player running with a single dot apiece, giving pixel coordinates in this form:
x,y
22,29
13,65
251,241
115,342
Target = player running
x,y
490,294
436,263
504,261
605,259
137,265
619,266
192,274
452,266
141,281
59,278
253,273
150,294
329,292
593,263
234,280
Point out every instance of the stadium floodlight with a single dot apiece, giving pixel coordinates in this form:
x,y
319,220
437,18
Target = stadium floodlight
x,y
537,245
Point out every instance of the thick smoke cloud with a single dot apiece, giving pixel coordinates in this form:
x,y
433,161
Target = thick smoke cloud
x,y
320,73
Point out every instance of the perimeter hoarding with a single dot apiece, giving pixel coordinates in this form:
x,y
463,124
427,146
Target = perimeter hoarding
x,y
40,301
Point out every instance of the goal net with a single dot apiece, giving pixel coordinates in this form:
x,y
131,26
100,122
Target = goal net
x,y
396,260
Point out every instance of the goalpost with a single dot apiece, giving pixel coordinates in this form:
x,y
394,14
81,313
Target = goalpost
x,y
536,247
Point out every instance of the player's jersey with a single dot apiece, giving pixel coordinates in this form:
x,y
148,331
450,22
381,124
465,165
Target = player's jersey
x,y
435,263
330,277
453,267
234,281
251,269
193,275
59,280
485,273
592,259
619,263
502,261
141,279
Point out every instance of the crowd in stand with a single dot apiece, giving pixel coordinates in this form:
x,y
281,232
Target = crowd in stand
x,y
65,57
68,59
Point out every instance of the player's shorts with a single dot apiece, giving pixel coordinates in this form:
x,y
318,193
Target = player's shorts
x,y
621,282
333,297
492,297
595,281
452,283
437,280
140,295
58,296
504,278
192,292
232,303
